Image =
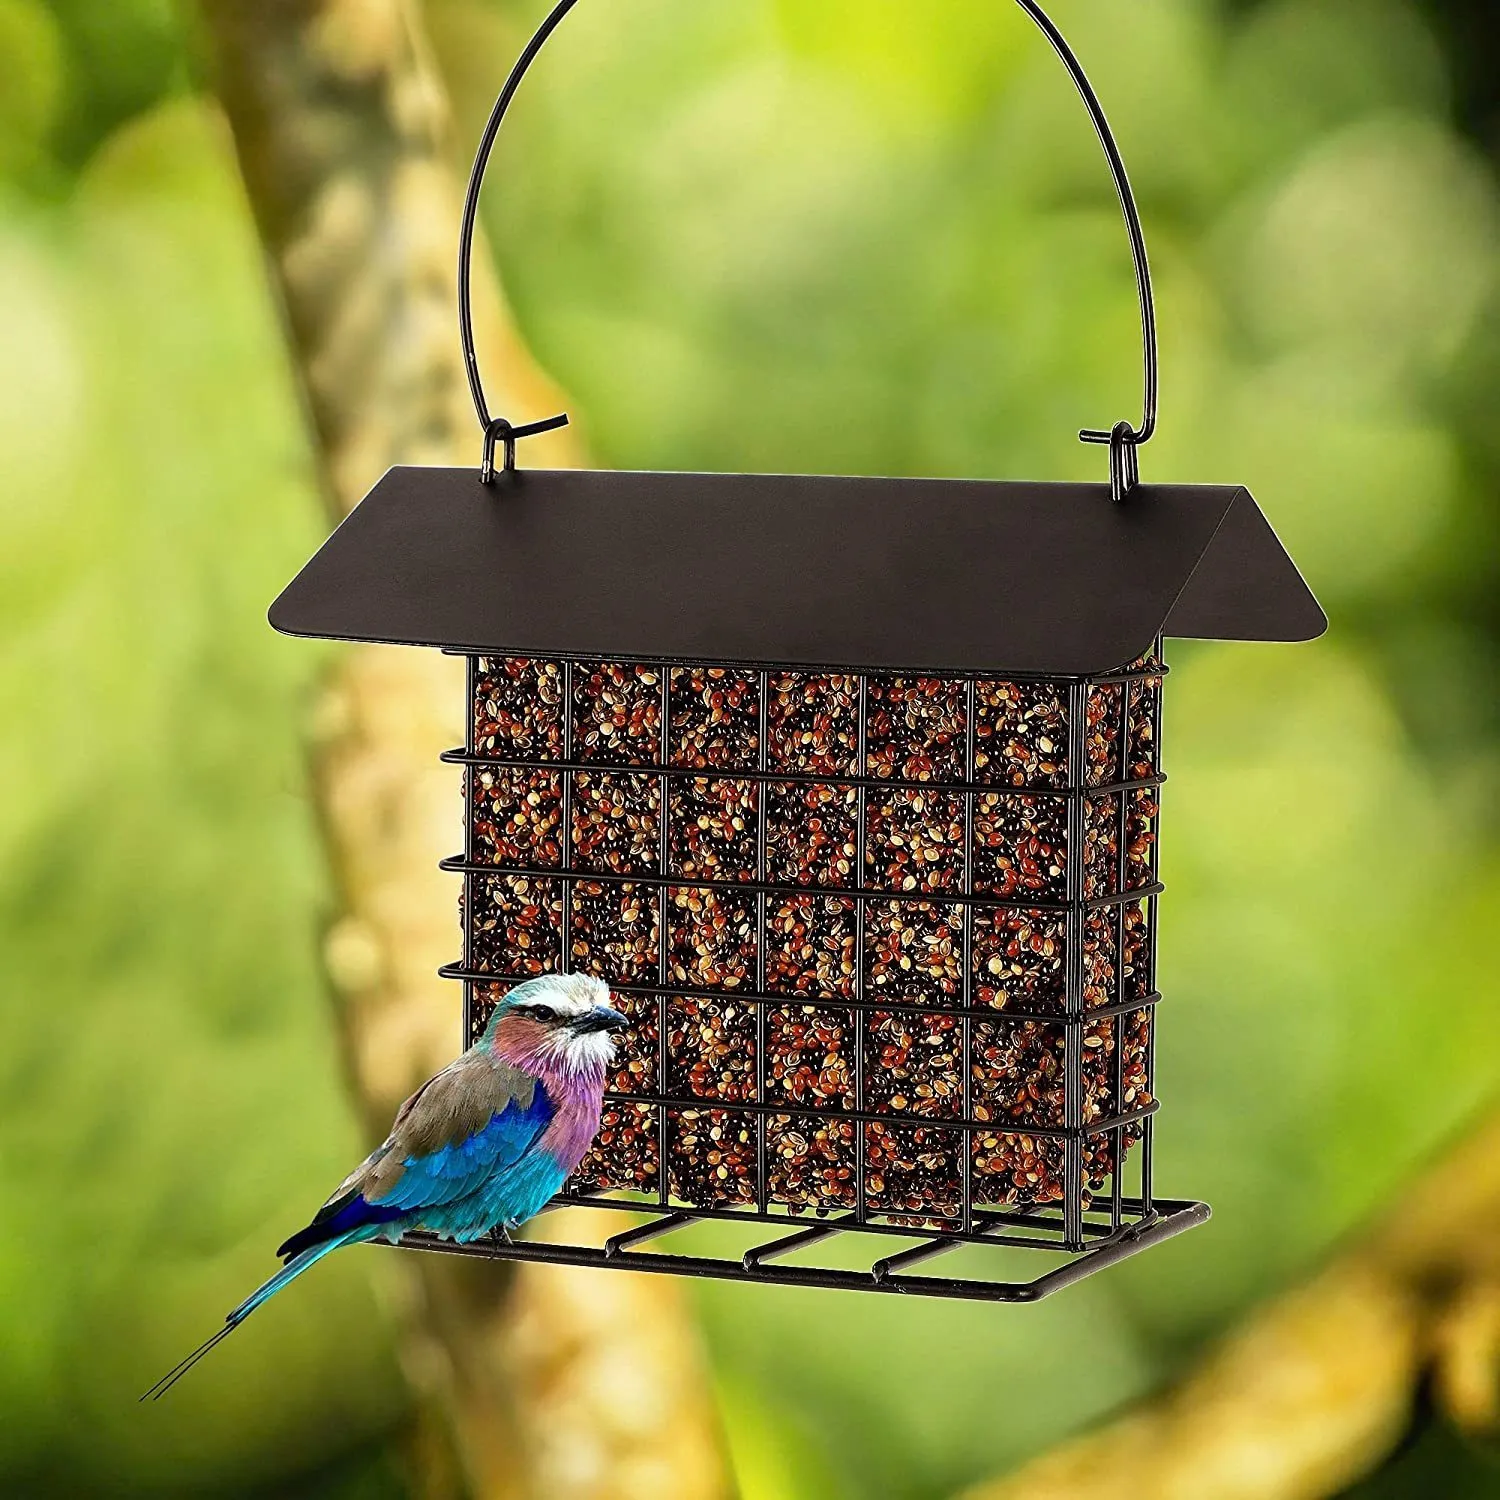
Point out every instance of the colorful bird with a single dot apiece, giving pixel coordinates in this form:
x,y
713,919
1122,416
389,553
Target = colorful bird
x,y
481,1146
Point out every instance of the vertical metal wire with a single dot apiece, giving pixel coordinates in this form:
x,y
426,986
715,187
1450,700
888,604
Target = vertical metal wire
x,y
565,942
565,945
861,1129
664,782
1073,1025
471,675
663,956
762,761
1148,982
966,942
1118,1024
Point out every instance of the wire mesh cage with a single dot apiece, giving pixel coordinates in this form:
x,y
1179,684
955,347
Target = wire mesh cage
x,y
886,940
849,789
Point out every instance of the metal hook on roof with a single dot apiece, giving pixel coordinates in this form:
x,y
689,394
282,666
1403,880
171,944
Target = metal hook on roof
x,y
498,429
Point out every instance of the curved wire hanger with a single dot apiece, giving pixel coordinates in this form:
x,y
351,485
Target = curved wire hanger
x,y
1122,438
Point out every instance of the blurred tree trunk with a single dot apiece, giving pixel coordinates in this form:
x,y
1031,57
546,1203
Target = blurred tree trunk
x,y
548,1383
1318,1386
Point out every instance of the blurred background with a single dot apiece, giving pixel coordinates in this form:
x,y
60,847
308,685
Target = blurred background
x,y
823,235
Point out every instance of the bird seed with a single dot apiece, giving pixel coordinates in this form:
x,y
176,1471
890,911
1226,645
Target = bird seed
x,y
914,951
810,945
715,718
812,723
1101,846
711,1049
711,1157
1104,706
712,938
914,1064
810,833
615,935
811,1162
810,1056
616,822
912,1171
516,926
712,828
915,728
1021,734
914,841
516,816
518,708
617,713
1020,846
624,1156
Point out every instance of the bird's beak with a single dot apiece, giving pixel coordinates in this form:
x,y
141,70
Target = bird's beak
x,y
602,1018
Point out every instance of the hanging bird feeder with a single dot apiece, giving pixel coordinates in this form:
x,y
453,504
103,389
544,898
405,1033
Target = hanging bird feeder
x,y
849,790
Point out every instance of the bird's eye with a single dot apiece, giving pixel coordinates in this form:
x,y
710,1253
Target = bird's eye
x,y
543,1012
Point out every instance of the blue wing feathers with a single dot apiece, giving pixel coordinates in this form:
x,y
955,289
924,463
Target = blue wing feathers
x,y
457,1170
466,1178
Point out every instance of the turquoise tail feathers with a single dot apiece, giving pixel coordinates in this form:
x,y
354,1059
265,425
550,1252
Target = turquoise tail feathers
x,y
263,1293
287,1274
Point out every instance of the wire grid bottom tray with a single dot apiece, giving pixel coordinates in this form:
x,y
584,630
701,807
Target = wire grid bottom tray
x,y
762,1262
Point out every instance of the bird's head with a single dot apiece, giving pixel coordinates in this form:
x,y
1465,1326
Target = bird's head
x,y
558,1024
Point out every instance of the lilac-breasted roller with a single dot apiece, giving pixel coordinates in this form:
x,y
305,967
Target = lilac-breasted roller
x,y
481,1146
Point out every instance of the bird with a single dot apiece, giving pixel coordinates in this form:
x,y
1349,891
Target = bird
x,y
481,1147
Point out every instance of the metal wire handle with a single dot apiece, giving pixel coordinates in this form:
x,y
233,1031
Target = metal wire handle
x,y
1122,438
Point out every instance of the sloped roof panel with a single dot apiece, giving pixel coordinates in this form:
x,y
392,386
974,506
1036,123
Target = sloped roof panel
x,y
953,575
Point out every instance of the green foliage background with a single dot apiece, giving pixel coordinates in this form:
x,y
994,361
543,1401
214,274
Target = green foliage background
x,y
830,235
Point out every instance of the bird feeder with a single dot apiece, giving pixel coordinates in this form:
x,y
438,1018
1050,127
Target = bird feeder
x,y
849,789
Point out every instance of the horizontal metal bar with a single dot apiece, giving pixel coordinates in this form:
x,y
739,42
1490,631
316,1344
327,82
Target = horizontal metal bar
x,y
828,1002
643,1232
1170,1221
457,865
952,1124
1098,1230
1173,1219
1139,674
915,1256
942,1243
803,778
759,1255
816,669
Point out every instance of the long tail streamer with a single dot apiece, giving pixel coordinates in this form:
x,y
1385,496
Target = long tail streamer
x,y
289,1272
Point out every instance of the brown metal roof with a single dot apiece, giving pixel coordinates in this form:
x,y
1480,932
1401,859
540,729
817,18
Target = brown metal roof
x,y
959,575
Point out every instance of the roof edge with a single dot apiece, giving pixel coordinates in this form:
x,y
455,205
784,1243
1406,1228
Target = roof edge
x,y
1245,586
839,573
